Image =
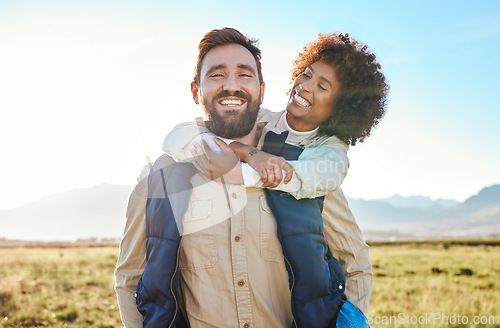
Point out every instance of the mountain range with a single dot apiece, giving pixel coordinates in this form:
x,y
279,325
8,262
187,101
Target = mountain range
x,y
98,213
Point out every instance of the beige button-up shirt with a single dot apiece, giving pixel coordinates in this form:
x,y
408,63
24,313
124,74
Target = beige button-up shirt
x,y
231,264
232,273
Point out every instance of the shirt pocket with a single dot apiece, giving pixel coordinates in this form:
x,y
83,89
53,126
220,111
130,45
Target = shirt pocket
x,y
198,249
270,247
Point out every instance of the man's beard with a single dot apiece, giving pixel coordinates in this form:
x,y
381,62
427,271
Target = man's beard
x,y
232,123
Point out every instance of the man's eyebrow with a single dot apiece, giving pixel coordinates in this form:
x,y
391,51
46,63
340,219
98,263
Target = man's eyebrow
x,y
247,67
216,67
321,77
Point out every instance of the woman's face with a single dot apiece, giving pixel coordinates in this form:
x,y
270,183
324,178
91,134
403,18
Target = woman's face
x,y
312,97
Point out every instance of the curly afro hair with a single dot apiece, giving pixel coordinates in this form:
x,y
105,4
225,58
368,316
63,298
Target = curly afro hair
x,y
361,102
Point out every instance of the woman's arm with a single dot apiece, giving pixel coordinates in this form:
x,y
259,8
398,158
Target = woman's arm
x,y
179,142
184,140
271,168
321,168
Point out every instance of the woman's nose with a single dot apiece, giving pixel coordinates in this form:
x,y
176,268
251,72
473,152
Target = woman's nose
x,y
304,86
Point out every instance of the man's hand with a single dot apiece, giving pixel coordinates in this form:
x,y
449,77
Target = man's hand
x,y
269,167
215,165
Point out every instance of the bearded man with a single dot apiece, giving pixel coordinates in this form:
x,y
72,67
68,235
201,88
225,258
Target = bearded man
x,y
227,270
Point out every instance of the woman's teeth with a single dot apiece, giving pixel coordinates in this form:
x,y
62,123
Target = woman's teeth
x,y
302,102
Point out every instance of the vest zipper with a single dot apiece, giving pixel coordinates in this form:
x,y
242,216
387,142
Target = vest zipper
x,y
177,258
291,289
171,283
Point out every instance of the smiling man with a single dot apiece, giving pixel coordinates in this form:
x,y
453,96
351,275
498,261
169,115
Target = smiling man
x,y
224,266
229,89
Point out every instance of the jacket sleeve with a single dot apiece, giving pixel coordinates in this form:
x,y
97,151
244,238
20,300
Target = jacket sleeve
x,y
177,141
132,254
321,168
347,245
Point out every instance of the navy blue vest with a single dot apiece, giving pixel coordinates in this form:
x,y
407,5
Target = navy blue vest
x,y
316,279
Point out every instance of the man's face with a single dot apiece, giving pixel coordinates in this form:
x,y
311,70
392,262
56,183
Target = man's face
x,y
229,91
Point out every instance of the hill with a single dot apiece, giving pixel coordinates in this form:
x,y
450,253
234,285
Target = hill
x,y
476,217
98,213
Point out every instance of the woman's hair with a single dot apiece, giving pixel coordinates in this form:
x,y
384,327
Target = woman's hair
x,y
361,102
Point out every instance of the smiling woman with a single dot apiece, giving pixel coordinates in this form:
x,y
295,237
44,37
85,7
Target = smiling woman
x,y
340,85
313,95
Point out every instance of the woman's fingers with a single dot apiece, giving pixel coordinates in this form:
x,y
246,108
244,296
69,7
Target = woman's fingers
x,y
278,176
288,171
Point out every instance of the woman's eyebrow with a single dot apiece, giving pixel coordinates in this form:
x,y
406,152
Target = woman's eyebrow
x,y
321,77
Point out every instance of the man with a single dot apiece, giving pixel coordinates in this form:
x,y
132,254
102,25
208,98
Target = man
x,y
232,273
230,260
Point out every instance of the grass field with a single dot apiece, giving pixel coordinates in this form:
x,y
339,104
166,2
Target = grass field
x,y
58,287
439,284
73,286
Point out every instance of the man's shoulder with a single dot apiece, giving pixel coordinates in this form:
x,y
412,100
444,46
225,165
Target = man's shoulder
x,y
266,116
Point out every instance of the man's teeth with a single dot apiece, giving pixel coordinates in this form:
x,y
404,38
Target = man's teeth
x,y
303,102
231,102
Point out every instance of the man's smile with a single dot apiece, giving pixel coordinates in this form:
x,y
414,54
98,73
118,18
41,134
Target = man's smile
x,y
231,102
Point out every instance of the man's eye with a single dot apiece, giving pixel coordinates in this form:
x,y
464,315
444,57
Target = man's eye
x,y
245,75
216,75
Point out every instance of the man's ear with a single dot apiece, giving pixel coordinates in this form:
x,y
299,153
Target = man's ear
x,y
195,90
262,89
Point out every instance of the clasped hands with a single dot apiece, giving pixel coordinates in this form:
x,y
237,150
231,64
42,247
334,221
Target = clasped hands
x,y
226,165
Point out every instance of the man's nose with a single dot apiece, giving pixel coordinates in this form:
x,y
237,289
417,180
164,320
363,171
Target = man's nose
x,y
231,84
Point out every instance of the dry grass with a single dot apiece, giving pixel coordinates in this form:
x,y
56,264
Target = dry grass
x,y
58,287
437,279
73,287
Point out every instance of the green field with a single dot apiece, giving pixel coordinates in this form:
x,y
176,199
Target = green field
x,y
433,283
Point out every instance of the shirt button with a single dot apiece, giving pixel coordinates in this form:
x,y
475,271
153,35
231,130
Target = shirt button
x,y
241,283
237,238
234,195
247,325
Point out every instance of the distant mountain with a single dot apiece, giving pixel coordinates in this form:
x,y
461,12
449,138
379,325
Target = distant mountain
x,y
99,212
418,201
96,212
477,217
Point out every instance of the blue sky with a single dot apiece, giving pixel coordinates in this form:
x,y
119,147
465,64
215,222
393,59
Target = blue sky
x,y
88,89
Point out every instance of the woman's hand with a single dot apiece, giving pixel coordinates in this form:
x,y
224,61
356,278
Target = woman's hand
x,y
215,165
269,167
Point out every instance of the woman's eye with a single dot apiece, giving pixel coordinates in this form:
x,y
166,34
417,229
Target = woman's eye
x,y
306,75
321,87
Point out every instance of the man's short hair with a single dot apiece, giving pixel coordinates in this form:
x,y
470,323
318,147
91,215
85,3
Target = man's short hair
x,y
226,35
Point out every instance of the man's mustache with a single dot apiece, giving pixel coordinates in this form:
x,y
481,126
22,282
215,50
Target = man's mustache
x,y
238,93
